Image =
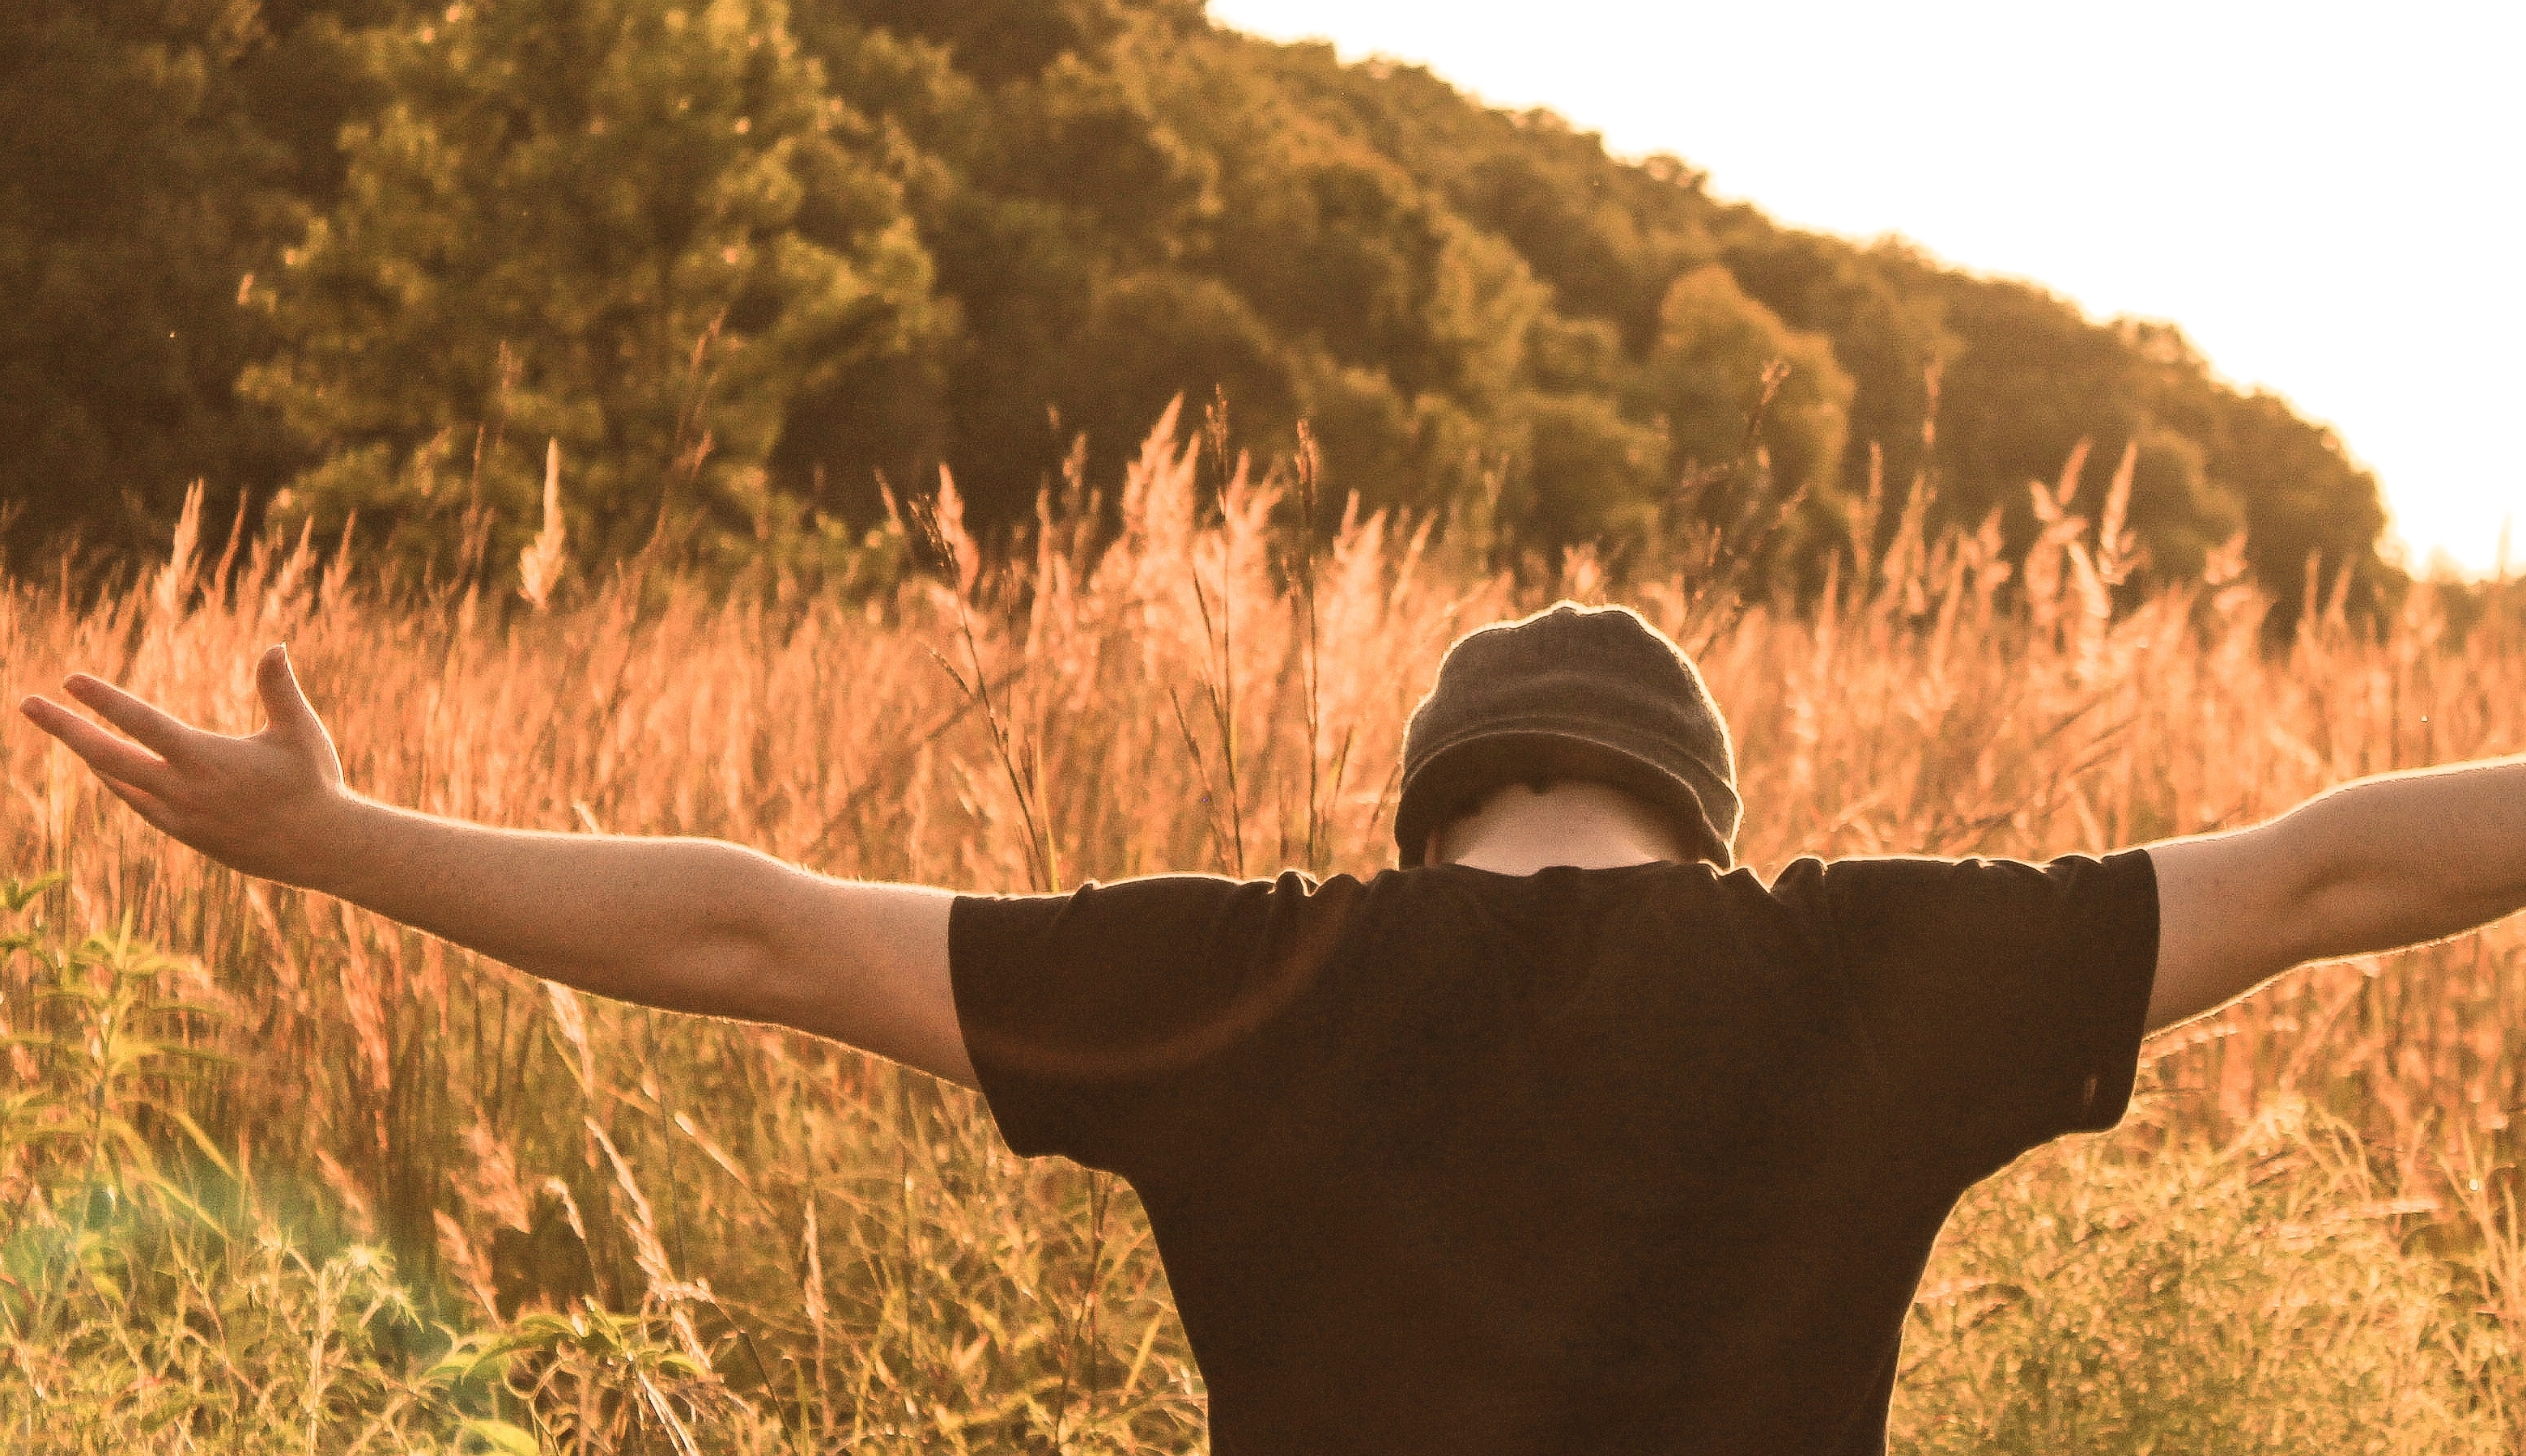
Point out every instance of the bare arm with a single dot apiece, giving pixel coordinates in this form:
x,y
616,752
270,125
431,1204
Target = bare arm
x,y
689,925
2375,864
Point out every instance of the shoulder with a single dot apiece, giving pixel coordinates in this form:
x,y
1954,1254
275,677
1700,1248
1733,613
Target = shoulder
x,y
1175,929
1139,978
2127,875
1925,912
1158,903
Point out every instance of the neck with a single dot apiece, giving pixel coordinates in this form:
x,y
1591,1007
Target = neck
x,y
1585,825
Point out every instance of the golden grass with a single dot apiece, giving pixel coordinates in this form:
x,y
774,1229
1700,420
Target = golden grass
x,y
669,1234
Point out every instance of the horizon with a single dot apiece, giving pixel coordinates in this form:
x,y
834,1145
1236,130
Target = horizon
x,y
1892,134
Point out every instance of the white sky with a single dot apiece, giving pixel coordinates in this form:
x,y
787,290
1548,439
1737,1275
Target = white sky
x,y
2326,197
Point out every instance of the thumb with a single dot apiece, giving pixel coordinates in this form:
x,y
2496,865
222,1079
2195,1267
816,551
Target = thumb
x,y
283,705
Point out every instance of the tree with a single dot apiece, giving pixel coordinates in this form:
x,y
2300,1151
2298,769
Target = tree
x,y
137,192
875,235
638,228
1707,379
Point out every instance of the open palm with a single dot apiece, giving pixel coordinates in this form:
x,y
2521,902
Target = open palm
x,y
252,803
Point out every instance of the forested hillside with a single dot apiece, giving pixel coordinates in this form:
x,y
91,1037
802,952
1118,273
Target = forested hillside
x,y
744,260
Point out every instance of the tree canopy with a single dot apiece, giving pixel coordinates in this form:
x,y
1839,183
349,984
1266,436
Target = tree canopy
x,y
748,261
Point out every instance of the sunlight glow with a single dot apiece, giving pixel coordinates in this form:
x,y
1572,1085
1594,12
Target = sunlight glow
x,y
2325,197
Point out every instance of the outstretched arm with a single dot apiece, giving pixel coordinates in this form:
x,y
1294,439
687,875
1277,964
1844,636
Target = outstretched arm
x,y
689,925
2375,864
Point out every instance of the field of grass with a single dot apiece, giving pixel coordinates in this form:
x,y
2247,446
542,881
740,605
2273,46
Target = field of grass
x,y
275,1176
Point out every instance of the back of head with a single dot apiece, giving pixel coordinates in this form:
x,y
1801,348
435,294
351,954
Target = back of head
x,y
1592,693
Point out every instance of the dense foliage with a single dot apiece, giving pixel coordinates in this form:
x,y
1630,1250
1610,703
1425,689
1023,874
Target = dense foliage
x,y
745,259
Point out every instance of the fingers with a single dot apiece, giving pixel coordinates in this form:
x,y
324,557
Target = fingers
x,y
128,772
143,803
285,706
151,727
118,761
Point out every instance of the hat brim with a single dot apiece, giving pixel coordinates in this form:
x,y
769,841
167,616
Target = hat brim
x,y
1458,774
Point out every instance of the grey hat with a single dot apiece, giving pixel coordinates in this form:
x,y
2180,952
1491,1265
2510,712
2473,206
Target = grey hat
x,y
1570,692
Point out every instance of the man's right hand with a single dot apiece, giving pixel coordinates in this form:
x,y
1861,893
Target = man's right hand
x,y
688,925
268,804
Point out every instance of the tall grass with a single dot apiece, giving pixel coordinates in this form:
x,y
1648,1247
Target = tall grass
x,y
340,1188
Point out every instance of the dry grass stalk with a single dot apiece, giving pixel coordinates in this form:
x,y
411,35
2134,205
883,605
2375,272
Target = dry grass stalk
x,y
539,566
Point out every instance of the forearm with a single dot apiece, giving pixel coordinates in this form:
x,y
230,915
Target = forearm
x,y
689,925
670,922
2407,858
2372,866
686,925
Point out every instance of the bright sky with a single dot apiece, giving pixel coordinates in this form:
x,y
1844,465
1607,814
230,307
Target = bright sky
x,y
2327,197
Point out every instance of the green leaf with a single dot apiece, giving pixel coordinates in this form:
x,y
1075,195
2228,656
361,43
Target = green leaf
x,y
16,893
201,1139
484,1434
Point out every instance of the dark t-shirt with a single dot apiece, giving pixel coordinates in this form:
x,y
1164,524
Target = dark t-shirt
x,y
1633,1160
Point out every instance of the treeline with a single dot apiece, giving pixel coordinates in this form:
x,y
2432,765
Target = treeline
x,y
746,260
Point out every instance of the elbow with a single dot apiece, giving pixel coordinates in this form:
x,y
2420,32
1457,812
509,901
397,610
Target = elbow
x,y
771,944
726,961
2333,897
2354,903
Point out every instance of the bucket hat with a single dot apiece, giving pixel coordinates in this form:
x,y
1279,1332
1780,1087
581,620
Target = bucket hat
x,y
1593,694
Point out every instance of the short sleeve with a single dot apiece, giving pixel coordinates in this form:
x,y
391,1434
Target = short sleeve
x,y
1100,1021
2005,1000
